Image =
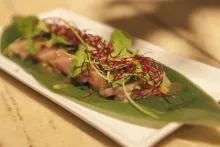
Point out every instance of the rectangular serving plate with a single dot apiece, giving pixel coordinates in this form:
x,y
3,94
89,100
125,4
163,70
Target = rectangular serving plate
x,y
126,134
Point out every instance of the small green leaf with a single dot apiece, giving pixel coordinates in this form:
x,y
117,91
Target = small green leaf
x,y
119,82
80,58
116,84
138,66
30,26
121,43
31,47
26,25
59,40
41,26
135,52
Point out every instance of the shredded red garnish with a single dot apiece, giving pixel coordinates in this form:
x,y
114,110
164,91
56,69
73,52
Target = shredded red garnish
x,y
149,76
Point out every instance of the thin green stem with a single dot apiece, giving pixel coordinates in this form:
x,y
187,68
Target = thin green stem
x,y
76,33
86,45
96,69
137,106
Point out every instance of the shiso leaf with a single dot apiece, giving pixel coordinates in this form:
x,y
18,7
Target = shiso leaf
x,y
79,59
121,42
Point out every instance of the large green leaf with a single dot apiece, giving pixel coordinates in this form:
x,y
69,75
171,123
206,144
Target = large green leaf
x,y
121,42
30,26
9,35
191,105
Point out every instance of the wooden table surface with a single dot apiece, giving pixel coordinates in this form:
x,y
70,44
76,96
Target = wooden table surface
x,y
189,28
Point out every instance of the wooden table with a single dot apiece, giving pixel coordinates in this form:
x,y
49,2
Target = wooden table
x,y
189,28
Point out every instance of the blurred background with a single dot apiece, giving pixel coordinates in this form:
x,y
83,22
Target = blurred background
x,y
186,27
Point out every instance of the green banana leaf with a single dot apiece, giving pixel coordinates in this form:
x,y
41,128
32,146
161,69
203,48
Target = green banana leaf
x,y
190,106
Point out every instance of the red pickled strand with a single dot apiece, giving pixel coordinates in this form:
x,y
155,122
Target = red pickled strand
x,y
109,48
103,51
92,51
116,55
94,63
138,93
98,44
132,70
116,77
162,93
107,60
64,31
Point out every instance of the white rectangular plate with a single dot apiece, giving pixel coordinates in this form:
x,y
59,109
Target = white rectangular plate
x,y
124,133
